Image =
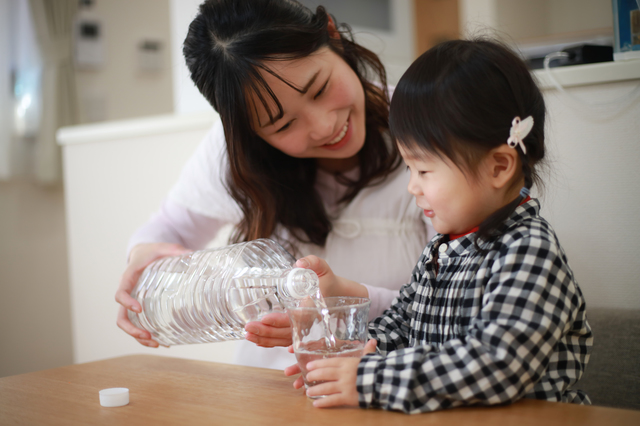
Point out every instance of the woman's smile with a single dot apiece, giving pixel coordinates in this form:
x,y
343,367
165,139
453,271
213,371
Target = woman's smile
x,y
341,140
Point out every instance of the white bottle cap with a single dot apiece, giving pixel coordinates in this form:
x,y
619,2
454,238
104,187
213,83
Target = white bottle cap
x,y
114,397
300,282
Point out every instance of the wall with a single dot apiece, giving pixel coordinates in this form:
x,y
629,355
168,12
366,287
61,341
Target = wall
x,y
5,92
104,209
523,19
578,15
119,89
435,22
35,318
591,196
186,98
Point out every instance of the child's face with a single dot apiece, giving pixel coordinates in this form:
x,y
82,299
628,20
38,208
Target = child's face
x,y
454,202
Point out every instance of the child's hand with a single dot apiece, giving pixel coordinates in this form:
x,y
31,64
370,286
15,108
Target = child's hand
x,y
330,283
340,377
272,330
292,370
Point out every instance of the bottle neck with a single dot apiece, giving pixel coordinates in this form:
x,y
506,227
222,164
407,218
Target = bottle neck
x,y
299,283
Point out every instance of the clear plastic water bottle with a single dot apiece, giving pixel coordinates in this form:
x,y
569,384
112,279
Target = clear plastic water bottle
x,y
209,295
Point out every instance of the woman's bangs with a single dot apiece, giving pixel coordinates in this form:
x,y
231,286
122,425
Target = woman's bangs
x,y
259,96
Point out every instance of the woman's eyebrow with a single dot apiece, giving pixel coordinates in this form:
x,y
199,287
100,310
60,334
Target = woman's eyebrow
x,y
302,91
305,89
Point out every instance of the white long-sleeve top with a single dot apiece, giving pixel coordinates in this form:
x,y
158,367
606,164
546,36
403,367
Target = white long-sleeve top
x,y
376,239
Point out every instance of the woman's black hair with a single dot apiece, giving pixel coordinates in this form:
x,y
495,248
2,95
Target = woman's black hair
x,y
458,100
226,47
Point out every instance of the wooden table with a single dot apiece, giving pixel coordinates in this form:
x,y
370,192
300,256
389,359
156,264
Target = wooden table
x,y
185,392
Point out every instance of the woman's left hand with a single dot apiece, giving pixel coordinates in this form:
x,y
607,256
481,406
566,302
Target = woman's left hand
x,y
272,330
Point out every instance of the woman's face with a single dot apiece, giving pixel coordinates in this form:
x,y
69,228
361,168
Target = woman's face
x,y
325,120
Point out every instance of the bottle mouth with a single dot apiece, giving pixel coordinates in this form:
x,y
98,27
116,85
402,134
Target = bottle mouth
x,y
300,283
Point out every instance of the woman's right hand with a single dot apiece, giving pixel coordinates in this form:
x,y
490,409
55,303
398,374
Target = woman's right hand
x,y
139,258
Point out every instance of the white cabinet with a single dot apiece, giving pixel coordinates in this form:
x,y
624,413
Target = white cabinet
x,y
116,175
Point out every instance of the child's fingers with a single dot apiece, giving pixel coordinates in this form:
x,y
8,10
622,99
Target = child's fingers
x,y
316,264
327,401
298,383
370,347
324,374
292,370
335,400
327,388
328,363
303,262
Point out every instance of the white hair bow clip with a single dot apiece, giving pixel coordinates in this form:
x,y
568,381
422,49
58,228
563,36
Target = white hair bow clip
x,y
519,130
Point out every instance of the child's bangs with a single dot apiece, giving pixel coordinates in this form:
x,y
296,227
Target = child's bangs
x,y
416,124
422,116
431,109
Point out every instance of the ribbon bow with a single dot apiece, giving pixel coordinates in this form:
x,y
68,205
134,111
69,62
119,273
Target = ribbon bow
x,y
519,130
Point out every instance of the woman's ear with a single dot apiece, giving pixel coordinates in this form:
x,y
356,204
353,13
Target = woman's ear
x,y
332,29
503,164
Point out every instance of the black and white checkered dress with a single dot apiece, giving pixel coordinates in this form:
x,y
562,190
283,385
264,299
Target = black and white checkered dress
x,y
476,328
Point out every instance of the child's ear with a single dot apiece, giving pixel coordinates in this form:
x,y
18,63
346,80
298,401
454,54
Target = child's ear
x,y
503,163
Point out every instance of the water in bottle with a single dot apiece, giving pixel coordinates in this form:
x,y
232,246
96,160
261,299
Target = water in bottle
x,y
209,295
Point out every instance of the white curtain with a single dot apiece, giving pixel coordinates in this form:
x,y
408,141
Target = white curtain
x,y
54,23
20,67
6,97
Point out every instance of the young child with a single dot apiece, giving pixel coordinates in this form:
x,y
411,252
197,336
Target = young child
x,y
493,312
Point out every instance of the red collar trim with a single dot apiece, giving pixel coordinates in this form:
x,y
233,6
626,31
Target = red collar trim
x,y
472,230
456,236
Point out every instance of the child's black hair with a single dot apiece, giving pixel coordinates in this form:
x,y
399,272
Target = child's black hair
x,y
459,99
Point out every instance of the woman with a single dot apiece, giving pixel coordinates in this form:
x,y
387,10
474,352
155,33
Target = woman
x,y
300,155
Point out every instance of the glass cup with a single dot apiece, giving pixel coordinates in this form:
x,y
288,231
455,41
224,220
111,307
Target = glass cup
x,y
339,330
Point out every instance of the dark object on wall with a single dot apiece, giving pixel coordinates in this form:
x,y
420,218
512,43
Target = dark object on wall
x,y
582,54
612,377
589,54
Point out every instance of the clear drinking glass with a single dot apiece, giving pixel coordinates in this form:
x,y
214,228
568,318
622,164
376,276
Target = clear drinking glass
x,y
339,330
